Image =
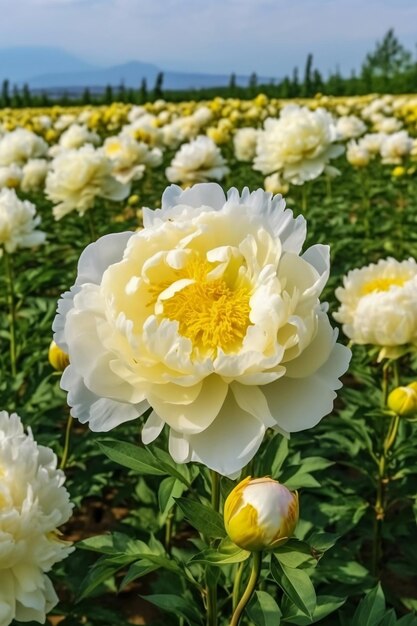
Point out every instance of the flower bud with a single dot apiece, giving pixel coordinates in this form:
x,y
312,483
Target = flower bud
x,y
403,400
57,357
260,514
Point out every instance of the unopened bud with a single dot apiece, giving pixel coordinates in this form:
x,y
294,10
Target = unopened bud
x,y
57,357
403,400
260,514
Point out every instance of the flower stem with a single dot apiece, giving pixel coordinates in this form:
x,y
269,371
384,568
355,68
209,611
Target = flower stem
x,y
65,453
215,490
304,198
236,584
250,588
12,312
382,479
91,226
211,587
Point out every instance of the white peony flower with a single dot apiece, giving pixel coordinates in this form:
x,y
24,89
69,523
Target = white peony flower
x,y
379,303
274,184
350,127
78,177
196,162
299,144
18,222
244,142
33,504
19,146
10,176
130,157
371,142
34,174
357,155
386,124
395,147
76,136
211,315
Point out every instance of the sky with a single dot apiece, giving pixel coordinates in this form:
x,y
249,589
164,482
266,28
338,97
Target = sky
x,y
212,36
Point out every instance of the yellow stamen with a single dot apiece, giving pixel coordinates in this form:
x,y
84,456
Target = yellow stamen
x,y
382,284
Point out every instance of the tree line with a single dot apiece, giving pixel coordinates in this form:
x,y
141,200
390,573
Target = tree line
x,y
389,68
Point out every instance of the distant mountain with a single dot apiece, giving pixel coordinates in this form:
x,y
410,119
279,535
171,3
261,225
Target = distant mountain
x,y
56,71
130,74
19,63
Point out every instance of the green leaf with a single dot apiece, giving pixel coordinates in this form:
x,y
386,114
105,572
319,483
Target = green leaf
x,y
274,456
371,609
177,605
137,570
169,489
390,619
202,517
294,554
135,458
407,620
167,463
325,606
296,585
101,571
263,610
227,552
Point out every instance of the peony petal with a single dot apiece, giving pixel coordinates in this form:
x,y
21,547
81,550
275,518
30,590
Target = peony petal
x,y
152,428
230,442
97,256
300,403
197,416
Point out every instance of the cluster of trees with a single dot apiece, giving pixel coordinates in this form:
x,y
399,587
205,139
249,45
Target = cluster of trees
x,y
389,68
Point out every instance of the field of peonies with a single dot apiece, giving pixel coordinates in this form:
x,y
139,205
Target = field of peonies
x,y
183,290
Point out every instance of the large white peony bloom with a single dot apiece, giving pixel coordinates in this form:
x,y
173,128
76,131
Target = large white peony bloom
x,y
33,504
20,145
78,177
196,162
379,303
300,144
18,222
210,315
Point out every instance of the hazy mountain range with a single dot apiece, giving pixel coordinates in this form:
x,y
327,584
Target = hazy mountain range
x,y
52,68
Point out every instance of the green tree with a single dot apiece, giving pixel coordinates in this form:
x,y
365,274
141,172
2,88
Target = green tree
x,y
5,93
307,87
157,90
143,94
108,94
388,59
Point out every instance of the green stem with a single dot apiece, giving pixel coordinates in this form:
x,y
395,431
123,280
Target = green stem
x,y
91,226
304,198
215,490
250,588
168,529
12,312
211,587
65,453
237,583
382,479
329,188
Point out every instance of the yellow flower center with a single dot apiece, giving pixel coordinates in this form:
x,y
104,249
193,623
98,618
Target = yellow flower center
x,y
113,148
382,284
211,312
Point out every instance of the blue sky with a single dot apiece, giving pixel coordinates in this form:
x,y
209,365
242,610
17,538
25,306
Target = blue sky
x,y
217,36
